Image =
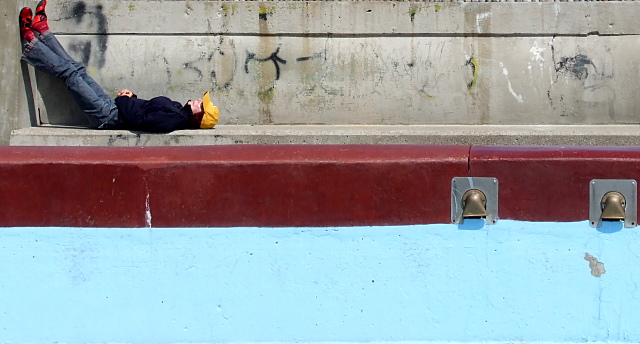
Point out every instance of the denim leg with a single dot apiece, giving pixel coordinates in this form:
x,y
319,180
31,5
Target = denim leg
x,y
50,40
98,110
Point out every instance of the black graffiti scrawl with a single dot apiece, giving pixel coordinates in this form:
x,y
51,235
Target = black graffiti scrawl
x,y
583,87
576,66
97,19
273,58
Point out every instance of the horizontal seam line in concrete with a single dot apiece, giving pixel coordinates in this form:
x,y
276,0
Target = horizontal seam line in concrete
x,y
355,35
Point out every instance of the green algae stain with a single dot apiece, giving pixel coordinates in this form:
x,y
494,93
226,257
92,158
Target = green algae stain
x,y
113,9
92,71
266,96
426,95
263,12
413,10
226,9
267,10
132,7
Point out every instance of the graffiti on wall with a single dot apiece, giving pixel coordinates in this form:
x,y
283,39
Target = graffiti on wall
x,y
273,58
592,78
355,68
578,66
96,46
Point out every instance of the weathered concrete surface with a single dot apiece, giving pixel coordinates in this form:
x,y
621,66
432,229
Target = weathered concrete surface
x,y
378,63
387,80
12,94
503,135
343,17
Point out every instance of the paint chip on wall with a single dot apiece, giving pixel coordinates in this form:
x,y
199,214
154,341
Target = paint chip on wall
x,y
597,268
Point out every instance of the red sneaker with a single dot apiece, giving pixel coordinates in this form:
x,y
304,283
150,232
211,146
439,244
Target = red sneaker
x,y
25,19
40,21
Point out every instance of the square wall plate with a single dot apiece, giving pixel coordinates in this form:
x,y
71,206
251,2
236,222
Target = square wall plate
x,y
627,187
488,186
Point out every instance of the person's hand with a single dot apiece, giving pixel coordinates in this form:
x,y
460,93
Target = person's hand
x,y
126,93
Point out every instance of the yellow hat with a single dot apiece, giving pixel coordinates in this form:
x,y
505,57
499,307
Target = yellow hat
x,y
211,113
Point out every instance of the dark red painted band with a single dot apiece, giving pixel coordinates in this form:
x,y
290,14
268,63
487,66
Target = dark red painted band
x,y
241,185
293,185
551,183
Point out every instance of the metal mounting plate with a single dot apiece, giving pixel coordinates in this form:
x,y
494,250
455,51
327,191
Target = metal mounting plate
x,y
599,187
488,185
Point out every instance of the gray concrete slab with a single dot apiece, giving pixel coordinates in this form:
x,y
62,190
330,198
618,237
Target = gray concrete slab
x,y
516,135
295,64
361,80
13,95
345,17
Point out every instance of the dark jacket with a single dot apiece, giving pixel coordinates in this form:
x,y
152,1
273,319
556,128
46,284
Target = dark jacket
x,y
159,114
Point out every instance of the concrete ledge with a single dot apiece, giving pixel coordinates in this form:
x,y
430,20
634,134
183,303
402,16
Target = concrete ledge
x,y
228,186
293,185
501,135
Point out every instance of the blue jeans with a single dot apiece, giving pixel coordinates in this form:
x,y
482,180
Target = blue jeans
x,y
49,56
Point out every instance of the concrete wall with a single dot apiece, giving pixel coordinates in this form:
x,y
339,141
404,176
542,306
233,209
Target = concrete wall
x,y
360,62
15,110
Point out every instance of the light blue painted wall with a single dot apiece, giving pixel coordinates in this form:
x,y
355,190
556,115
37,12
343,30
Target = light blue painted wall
x,y
514,281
